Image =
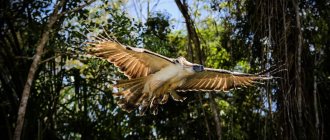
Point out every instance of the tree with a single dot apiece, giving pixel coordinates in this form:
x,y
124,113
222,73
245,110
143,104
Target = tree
x,y
70,95
37,58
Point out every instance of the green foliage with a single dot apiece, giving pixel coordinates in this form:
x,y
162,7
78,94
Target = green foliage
x,y
71,96
154,36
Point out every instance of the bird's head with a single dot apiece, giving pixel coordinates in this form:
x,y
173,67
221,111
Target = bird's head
x,y
186,64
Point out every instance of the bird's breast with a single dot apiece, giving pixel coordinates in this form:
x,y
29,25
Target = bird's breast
x,y
168,76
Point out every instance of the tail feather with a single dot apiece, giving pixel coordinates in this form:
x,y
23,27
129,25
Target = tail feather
x,y
131,82
133,95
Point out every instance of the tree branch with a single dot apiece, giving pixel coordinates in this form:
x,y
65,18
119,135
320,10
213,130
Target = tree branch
x,y
36,61
23,57
76,9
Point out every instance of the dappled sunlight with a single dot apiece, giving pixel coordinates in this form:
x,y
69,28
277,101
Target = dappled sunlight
x,y
270,78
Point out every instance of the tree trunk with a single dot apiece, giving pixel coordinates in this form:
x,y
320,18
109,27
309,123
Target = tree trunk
x,y
205,119
301,130
192,34
216,116
33,68
37,59
194,41
315,97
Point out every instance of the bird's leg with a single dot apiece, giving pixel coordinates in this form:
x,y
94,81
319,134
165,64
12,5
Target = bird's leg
x,y
177,97
164,98
144,107
154,106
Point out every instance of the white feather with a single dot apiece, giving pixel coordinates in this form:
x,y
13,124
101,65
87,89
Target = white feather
x,y
173,73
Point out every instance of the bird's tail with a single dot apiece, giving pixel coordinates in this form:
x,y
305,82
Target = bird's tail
x,y
133,95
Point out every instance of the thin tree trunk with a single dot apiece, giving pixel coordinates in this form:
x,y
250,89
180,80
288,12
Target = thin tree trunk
x,y
192,34
301,131
216,116
205,119
184,10
36,60
286,120
269,119
33,68
193,40
317,121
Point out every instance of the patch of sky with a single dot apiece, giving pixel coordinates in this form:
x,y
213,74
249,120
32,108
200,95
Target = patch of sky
x,y
138,10
311,47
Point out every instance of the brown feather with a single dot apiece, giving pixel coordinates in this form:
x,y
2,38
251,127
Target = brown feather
x,y
133,62
221,80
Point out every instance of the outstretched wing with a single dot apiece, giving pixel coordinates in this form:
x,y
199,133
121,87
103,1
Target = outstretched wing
x,y
218,80
133,62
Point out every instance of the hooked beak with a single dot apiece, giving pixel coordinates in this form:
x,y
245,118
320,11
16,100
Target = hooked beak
x,y
198,68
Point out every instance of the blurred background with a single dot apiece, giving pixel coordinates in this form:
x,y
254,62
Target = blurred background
x,y
50,90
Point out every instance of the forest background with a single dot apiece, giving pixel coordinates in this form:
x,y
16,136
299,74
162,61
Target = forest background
x,y
50,90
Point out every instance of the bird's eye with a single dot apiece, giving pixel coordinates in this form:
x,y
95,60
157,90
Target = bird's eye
x,y
176,61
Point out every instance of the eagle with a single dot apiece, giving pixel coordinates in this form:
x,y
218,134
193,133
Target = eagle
x,y
153,78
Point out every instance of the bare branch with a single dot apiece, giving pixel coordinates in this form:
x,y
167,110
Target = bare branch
x,y
48,59
76,9
24,57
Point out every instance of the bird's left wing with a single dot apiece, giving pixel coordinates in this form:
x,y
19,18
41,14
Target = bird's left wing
x,y
218,80
133,62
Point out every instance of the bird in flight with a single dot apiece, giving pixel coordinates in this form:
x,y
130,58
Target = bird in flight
x,y
153,78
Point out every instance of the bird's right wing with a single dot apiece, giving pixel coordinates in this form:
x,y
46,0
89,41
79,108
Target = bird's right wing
x,y
218,80
133,62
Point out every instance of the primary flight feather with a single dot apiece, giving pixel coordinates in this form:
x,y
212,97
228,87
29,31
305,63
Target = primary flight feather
x,y
152,78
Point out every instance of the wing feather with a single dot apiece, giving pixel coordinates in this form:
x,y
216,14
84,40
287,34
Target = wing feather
x,y
215,81
114,57
219,84
192,83
219,80
127,65
133,62
203,83
137,70
225,86
120,57
208,84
